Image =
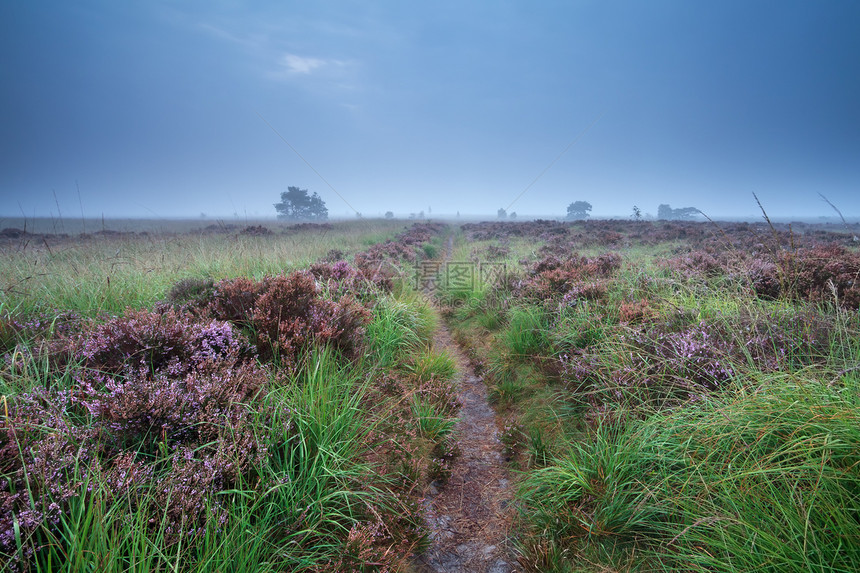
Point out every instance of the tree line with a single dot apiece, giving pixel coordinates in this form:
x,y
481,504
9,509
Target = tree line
x,y
298,205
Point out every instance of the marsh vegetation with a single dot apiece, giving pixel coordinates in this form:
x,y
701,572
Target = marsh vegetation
x,y
667,396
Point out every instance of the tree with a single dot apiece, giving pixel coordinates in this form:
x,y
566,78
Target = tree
x,y
637,213
389,214
297,205
502,214
686,213
513,215
664,211
578,210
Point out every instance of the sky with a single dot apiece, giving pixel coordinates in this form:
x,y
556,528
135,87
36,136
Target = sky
x,y
169,108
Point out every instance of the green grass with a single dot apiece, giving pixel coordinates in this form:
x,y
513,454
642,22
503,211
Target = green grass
x,y
431,364
751,482
525,335
760,473
327,491
432,424
400,325
109,274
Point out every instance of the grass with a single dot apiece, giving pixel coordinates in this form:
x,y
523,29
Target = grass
x,y
321,489
432,424
114,273
525,335
661,422
638,452
402,324
324,496
766,481
430,364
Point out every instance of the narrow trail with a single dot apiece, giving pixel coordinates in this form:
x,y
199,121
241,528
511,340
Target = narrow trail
x,y
471,513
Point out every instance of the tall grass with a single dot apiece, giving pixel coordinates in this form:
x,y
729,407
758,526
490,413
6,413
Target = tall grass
x,y
673,421
318,490
109,274
768,481
525,335
400,325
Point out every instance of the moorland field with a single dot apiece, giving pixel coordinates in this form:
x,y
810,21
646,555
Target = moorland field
x,y
669,396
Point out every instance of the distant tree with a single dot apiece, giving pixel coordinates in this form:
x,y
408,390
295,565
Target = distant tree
x,y
686,213
420,214
637,213
682,214
389,214
578,210
513,215
358,215
297,205
502,214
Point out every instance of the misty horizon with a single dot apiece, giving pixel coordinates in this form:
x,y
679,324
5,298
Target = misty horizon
x,y
166,110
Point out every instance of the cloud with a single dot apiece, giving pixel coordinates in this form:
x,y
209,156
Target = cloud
x,y
331,72
302,65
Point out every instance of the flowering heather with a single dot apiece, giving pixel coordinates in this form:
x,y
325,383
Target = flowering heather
x,y
540,228
668,362
165,341
693,264
288,313
377,263
825,272
636,312
573,277
40,326
160,397
38,457
340,278
234,300
43,338
822,273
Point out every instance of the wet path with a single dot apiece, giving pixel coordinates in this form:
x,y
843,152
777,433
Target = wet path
x,y
470,514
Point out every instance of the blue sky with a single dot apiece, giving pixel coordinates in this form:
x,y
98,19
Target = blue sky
x,y
160,107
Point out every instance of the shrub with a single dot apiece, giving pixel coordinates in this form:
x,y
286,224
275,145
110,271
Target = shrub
x,y
167,341
191,292
827,272
290,314
234,300
159,399
574,277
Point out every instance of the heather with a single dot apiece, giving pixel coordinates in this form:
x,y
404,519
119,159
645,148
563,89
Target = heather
x,y
248,423
677,396
671,396
108,271
821,273
286,315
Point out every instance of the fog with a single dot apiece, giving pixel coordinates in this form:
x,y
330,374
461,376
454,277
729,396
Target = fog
x,y
209,110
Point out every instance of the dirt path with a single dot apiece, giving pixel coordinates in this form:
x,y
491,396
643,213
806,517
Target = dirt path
x,y
470,515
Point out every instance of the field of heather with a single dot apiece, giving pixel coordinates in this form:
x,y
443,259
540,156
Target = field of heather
x,y
246,400
675,396
665,396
